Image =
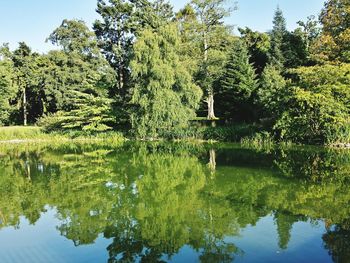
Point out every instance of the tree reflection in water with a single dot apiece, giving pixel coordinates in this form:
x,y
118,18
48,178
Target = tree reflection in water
x,y
152,199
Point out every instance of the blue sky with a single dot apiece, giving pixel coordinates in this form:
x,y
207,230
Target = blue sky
x,y
33,20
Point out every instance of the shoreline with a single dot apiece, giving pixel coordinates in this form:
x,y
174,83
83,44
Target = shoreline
x,y
63,139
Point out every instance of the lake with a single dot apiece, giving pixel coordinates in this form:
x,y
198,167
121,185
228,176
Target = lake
x,y
173,202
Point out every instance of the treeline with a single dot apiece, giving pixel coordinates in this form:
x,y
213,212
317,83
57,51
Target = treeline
x,y
149,70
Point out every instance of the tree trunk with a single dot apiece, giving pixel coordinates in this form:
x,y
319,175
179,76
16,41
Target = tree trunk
x,y
205,47
210,102
120,69
25,112
210,99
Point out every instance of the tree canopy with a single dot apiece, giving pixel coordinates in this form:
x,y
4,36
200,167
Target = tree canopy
x,y
140,68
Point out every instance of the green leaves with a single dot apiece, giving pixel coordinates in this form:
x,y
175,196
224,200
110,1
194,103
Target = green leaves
x,y
333,45
164,97
318,110
90,114
271,92
74,36
237,83
8,90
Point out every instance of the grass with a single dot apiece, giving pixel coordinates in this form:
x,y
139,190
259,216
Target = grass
x,y
20,133
30,134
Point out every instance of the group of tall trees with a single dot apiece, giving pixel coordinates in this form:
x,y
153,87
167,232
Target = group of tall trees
x,y
150,70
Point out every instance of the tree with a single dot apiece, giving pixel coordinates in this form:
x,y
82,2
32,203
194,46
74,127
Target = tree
x,y
295,49
26,78
164,96
121,22
115,34
258,45
271,93
333,44
310,32
90,114
237,84
277,36
210,14
75,81
317,108
190,50
74,36
8,90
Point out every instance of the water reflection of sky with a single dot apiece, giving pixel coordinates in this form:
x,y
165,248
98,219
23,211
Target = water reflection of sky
x,y
43,243
157,202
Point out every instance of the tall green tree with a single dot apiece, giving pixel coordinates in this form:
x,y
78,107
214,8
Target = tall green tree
x,y
164,96
76,81
213,35
277,35
258,45
25,78
333,45
120,23
115,33
271,94
310,32
8,88
190,51
288,49
237,85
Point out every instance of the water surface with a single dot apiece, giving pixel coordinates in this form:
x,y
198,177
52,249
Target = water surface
x,y
172,202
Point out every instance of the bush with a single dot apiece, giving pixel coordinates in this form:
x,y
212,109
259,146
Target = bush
x,y
314,118
259,140
316,111
232,133
91,114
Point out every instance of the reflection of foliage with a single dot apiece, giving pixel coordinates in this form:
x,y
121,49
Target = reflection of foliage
x,y
151,199
337,241
284,226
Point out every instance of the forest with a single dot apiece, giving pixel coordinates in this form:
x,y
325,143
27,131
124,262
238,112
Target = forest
x,y
150,72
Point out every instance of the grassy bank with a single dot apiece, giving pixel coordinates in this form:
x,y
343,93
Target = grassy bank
x,y
21,133
35,134
28,134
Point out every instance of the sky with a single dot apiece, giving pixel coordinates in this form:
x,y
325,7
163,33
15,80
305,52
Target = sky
x,y
32,21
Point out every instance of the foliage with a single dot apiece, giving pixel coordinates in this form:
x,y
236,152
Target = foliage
x,y
164,96
8,90
139,71
259,140
230,133
313,118
333,44
258,45
318,109
309,31
288,49
74,36
277,35
91,114
237,84
271,93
